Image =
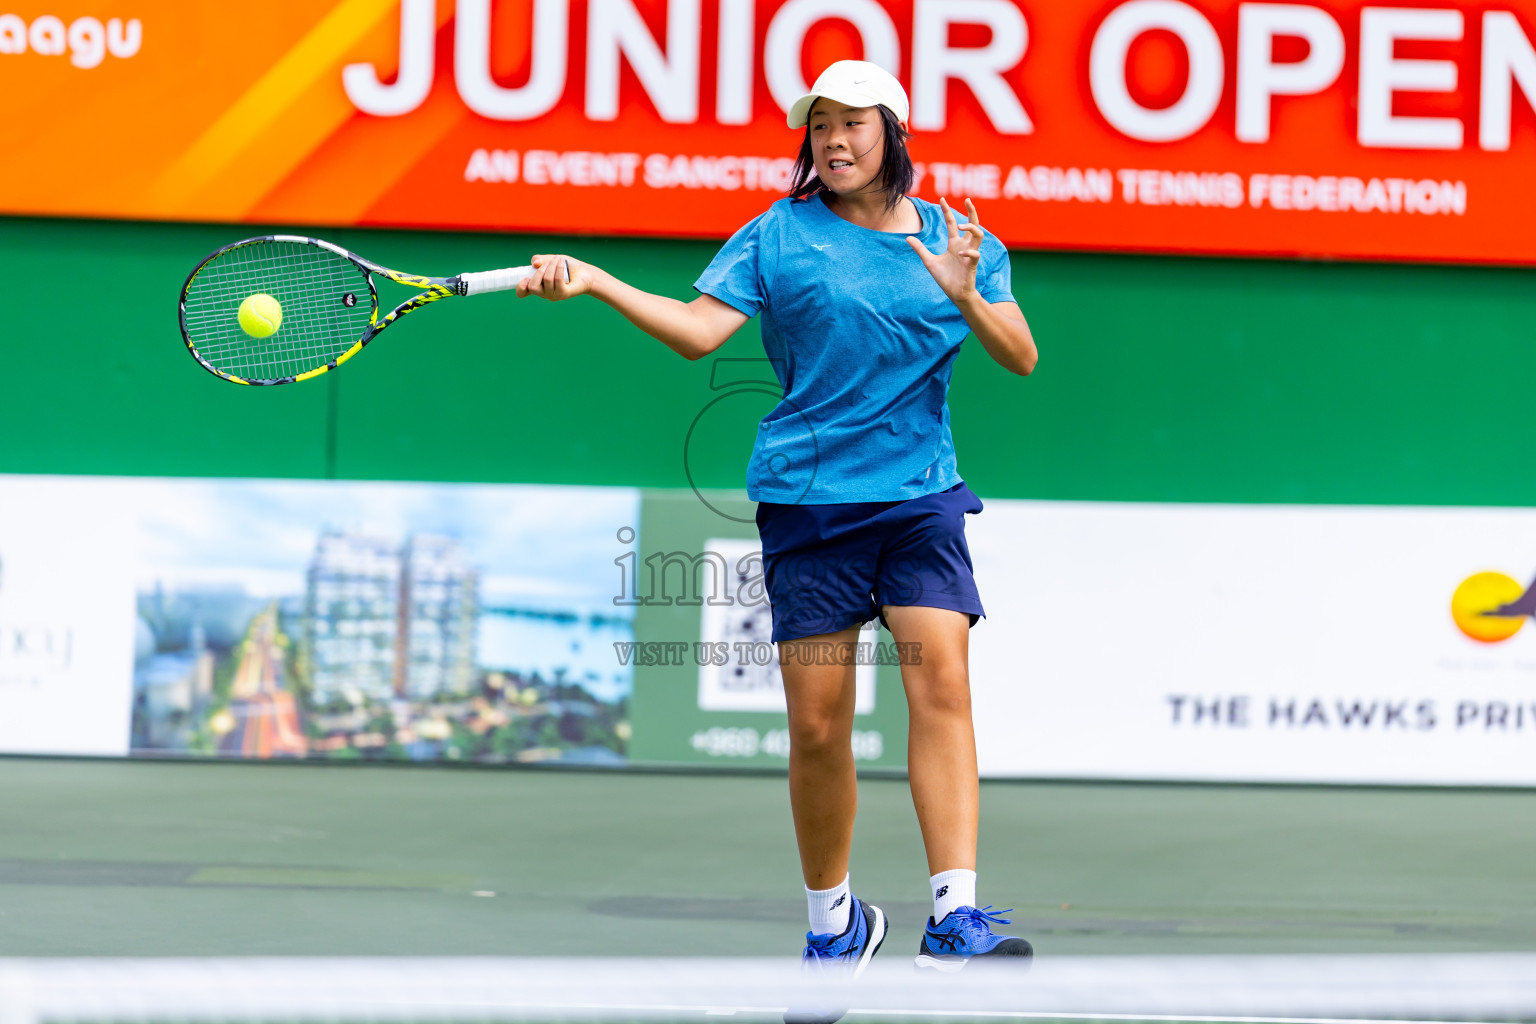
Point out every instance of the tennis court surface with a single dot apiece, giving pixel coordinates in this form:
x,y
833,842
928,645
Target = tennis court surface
x,y
1419,900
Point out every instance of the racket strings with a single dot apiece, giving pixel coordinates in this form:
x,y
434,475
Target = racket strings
x,y
309,282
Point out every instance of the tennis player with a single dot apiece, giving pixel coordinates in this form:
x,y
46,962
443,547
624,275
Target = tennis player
x,y
865,295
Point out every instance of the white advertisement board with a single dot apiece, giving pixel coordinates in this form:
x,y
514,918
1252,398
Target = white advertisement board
x,y
66,617
1264,643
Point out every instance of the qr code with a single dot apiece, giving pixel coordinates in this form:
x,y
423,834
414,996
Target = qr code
x,y
742,630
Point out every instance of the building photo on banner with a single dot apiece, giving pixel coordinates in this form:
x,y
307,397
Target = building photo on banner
x,y
1049,480
271,619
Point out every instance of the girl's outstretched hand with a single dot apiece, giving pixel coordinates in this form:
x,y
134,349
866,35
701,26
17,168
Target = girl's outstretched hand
x,y
955,268
557,277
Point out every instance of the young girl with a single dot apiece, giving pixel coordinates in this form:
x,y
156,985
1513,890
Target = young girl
x,y
865,295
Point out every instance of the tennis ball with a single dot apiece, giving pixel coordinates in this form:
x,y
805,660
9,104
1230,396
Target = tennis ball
x,y
260,315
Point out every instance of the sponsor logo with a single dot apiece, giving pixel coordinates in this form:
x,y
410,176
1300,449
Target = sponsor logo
x,y
839,901
940,894
1490,607
86,41
30,650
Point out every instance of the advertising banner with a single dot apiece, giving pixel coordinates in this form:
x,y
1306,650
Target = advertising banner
x,y
1335,128
1321,644
512,624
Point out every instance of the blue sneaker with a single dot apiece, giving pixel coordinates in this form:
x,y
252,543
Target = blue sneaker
x,y
965,935
839,958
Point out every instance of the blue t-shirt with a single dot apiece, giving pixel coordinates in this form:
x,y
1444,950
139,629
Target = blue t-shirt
x,y
863,341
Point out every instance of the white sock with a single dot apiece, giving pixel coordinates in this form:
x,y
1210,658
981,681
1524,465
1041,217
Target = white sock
x,y
952,889
829,908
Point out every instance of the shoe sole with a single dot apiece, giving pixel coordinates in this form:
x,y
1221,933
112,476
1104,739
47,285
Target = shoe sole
x,y
876,939
925,962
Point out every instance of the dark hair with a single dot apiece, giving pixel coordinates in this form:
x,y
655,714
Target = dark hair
x,y
896,173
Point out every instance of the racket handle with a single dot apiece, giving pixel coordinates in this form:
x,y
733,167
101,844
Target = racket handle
x,y
499,280
495,280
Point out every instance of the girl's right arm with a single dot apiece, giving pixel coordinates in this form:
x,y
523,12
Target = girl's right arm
x,y
691,329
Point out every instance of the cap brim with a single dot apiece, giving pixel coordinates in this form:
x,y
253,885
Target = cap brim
x,y
800,113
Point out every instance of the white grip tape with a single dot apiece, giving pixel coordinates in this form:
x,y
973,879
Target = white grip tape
x,y
495,280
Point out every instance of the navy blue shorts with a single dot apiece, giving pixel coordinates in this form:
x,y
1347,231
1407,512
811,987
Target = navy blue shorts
x,y
828,567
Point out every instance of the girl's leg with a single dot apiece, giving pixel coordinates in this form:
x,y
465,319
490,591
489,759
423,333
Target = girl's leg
x,y
941,740
823,790
941,759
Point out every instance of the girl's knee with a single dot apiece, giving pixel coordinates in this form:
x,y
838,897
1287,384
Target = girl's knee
x,y
941,693
818,731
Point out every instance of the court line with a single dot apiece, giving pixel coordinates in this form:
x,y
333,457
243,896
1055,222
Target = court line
x,y
728,1010
1186,1019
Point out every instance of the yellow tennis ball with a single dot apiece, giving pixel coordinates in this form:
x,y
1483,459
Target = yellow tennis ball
x,y
260,315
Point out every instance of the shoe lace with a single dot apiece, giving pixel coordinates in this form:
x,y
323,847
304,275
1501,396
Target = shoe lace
x,y
817,958
972,920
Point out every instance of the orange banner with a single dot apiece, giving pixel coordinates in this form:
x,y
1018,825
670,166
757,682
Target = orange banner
x,y
1333,128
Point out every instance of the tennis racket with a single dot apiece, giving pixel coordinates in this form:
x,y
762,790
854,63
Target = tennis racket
x,y
329,307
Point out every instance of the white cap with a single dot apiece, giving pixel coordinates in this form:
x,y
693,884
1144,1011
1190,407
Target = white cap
x,y
858,83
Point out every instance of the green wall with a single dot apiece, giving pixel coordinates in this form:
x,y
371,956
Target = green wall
x,y
1160,379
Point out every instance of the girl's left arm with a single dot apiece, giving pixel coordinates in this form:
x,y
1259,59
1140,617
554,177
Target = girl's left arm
x,y
1000,326
1002,331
